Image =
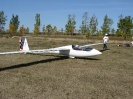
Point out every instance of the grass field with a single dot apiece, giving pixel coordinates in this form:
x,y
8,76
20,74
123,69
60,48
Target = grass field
x,y
48,76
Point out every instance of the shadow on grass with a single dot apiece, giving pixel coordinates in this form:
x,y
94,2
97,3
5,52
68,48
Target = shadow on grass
x,y
86,58
33,63
40,61
103,50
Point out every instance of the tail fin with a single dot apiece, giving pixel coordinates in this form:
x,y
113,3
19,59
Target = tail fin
x,y
23,44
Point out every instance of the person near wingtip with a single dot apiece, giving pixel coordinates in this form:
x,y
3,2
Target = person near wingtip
x,y
105,41
132,43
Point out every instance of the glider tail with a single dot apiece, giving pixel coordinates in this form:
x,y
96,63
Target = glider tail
x,y
23,44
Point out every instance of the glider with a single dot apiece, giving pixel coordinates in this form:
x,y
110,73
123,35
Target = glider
x,y
71,51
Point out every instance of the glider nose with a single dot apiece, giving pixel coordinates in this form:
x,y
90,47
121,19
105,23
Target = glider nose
x,y
96,52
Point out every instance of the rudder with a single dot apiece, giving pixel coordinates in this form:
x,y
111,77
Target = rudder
x,y
23,44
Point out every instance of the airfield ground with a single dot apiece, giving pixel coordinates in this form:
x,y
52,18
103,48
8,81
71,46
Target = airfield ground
x,y
48,76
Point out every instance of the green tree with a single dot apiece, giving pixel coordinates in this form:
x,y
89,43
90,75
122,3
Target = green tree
x,y
14,22
2,20
118,33
49,29
125,25
88,33
99,33
70,26
54,30
37,24
93,24
43,29
106,25
113,32
62,31
27,30
84,27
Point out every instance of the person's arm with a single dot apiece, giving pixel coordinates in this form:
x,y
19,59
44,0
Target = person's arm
x,y
103,39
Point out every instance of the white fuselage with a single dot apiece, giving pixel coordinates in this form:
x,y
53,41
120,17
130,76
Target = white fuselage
x,y
74,53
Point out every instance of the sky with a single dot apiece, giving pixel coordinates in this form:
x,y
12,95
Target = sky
x,y
55,12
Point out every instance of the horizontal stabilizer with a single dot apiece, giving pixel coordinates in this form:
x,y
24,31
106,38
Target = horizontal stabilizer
x,y
14,52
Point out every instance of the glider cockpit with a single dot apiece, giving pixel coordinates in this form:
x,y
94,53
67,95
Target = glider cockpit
x,y
78,47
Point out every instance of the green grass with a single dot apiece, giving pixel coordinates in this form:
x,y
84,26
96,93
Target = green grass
x,y
51,76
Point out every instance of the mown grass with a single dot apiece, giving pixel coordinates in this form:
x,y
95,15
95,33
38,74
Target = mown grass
x,y
48,76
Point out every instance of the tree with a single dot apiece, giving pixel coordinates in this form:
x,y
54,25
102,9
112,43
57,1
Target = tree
x,y
84,27
49,29
113,32
106,25
54,30
11,28
125,25
70,26
14,23
93,24
88,33
22,30
2,20
37,24
62,31
118,33
99,33
27,30
43,29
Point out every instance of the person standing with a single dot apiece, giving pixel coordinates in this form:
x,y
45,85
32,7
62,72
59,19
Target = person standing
x,y
132,43
105,41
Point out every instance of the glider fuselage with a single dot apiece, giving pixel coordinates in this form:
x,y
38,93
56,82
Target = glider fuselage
x,y
86,52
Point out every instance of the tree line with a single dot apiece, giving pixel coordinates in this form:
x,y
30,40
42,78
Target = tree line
x,y
88,27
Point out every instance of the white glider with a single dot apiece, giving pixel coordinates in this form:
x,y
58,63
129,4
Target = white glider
x,y
71,51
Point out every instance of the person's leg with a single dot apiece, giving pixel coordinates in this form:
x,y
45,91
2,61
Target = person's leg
x,y
104,46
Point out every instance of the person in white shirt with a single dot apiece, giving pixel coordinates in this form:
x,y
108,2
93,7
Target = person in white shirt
x,y
105,41
132,43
